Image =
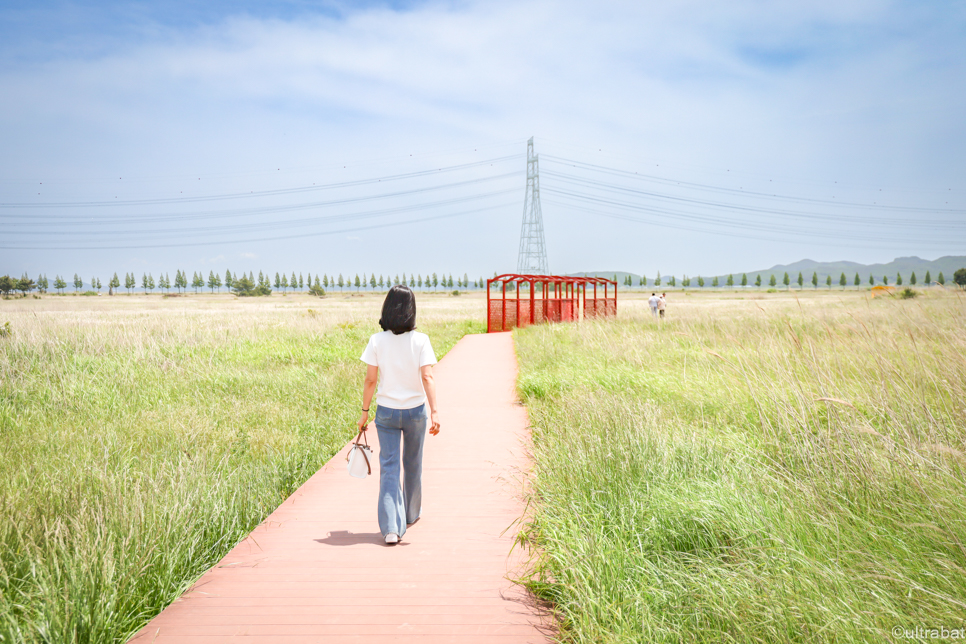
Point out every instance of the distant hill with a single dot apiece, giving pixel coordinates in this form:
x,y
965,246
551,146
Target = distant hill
x,y
901,265
904,265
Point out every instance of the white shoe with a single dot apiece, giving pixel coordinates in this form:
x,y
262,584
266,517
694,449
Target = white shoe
x,y
392,538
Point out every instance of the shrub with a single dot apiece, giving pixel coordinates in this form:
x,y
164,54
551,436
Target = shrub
x,y
907,293
455,293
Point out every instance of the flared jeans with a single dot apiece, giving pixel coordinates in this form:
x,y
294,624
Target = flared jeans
x,y
402,433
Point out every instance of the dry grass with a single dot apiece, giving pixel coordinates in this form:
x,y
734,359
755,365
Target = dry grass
x,y
144,436
756,468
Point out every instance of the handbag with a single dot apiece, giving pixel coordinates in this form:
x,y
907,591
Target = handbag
x,y
358,457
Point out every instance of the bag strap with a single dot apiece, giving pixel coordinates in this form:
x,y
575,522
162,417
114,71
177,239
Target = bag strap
x,y
365,448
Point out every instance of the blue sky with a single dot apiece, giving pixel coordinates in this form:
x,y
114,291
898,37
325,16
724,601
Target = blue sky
x,y
821,102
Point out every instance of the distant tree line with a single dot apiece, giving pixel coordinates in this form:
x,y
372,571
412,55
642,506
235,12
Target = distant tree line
x,y
959,278
240,283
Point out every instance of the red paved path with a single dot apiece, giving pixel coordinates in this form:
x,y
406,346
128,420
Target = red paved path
x,y
317,571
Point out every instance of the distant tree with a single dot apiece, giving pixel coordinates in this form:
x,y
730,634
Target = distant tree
x,y
657,280
183,282
814,280
940,279
150,286
800,280
245,286
372,280
42,284
744,279
60,284
130,282
144,282
772,281
828,281
898,279
115,283
959,277
325,280
449,282
686,281
730,281
380,281
912,278
885,280
293,282
785,280
412,282
78,282
672,281
25,285
419,280
214,281
96,283
758,280
177,280
7,284
198,281
358,282
858,280
301,283
842,280
928,279
341,282
284,282
278,281
228,279
435,281
700,281
642,281
714,282
871,280
317,281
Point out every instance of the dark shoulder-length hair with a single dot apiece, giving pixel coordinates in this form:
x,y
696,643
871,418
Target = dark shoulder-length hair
x,y
399,310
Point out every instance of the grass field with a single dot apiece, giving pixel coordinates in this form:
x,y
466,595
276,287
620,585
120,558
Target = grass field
x,y
757,468
142,437
786,467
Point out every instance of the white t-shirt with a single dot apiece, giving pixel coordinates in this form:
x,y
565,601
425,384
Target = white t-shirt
x,y
654,299
399,358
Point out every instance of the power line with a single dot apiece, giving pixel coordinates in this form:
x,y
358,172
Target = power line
x,y
262,239
745,193
264,193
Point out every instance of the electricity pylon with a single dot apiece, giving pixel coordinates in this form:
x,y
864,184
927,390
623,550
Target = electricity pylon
x,y
532,259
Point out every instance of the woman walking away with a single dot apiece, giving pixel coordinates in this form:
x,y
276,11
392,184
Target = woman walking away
x,y
662,304
401,360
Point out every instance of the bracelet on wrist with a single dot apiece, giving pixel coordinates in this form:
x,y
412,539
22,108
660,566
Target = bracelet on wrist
x,y
366,410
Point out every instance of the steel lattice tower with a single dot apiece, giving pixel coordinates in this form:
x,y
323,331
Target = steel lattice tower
x,y
532,259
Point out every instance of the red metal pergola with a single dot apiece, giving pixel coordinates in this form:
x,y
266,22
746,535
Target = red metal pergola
x,y
551,298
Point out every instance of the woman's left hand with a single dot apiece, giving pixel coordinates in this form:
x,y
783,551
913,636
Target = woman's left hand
x,y
363,422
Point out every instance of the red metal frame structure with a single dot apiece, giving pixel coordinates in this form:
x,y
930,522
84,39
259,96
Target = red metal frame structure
x,y
561,299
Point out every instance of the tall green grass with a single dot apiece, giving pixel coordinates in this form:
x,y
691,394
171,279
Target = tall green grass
x,y
139,447
762,471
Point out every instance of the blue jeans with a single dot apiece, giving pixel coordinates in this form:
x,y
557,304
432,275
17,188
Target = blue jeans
x,y
400,503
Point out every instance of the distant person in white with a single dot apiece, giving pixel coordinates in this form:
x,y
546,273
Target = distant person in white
x,y
401,360
653,302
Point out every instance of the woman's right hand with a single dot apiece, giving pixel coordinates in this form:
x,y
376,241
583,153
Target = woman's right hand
x,y
434,420
363,422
